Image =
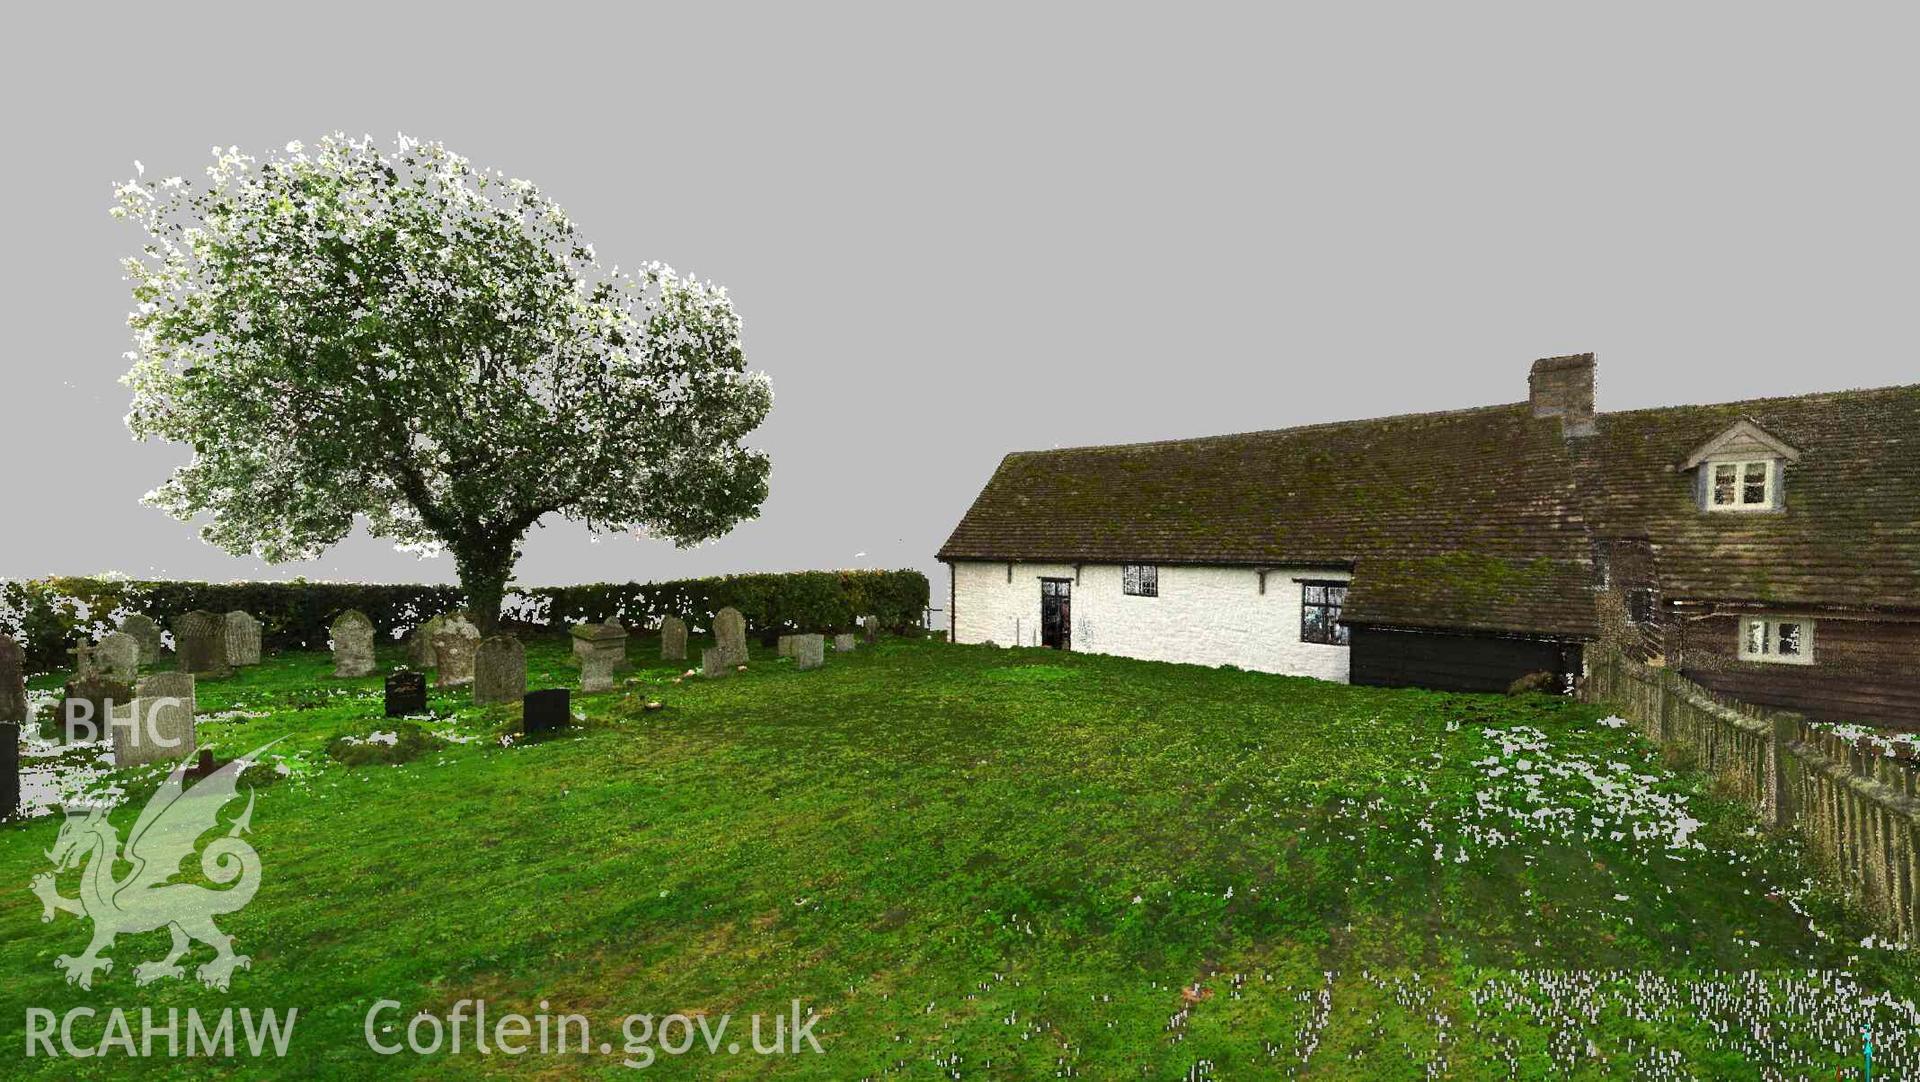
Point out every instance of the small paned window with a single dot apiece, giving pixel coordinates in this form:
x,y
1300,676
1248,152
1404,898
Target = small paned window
x,y
1140,580
1320,605
1787,641
1740,486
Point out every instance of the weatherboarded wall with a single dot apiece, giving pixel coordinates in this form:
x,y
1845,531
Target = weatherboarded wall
x,y
1203,615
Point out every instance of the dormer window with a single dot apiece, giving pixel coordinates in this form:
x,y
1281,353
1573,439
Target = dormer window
x,y
1747,484
1741,469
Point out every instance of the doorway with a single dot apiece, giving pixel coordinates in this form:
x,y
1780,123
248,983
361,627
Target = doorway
x,y
1056,613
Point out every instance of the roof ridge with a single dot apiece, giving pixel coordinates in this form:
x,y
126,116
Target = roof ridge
x,y
1312,427
1811,396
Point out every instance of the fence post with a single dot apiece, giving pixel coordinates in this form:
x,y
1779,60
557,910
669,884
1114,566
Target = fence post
x,y
1779,785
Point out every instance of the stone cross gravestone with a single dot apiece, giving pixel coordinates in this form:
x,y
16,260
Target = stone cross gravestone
x,y
546,711
87,706
117,657
200,643
673,639
843,643
602,649
453,648
13,680
84,664
809,651
406,694
352,645
499,671
243,639
730,634
146,633
160,724
9,769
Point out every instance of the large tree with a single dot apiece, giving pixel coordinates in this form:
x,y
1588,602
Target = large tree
x,y
356,330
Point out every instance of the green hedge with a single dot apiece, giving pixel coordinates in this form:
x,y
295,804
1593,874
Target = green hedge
x,y
49,615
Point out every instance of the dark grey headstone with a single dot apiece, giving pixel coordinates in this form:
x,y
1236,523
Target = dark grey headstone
x,y
406,694
673,639
499,671
200,643
13,681
546,711
9,769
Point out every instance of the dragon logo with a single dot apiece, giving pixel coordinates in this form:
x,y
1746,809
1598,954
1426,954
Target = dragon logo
x,y
147,898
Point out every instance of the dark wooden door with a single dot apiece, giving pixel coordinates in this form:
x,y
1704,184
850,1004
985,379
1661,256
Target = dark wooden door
x,y
1056,613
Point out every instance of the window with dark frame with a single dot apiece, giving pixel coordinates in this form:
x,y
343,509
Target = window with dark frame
x,y
1140,580
1320,605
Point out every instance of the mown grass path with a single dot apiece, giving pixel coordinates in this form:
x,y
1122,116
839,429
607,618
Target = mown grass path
x,y
982,863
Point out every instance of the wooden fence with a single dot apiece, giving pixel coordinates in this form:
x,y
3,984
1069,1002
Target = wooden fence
x,y
1857,807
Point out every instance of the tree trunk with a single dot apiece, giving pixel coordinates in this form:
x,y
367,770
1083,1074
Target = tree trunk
x,y
484,571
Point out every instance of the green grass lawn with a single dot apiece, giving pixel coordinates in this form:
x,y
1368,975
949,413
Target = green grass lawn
x,y
979,863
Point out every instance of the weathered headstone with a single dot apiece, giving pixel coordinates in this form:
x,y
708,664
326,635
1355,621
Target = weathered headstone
x,y
352,645
147,633
117,657
420,644
546,711
783,646
406,694
161,723
84,664
9,769
730,634
870,624
243,639
809,651
87,706
673,639
843,642
499,671
715,661
200,643
624,665
602,649
453,648
13,681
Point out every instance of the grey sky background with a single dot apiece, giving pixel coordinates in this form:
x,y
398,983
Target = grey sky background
x,y
957,231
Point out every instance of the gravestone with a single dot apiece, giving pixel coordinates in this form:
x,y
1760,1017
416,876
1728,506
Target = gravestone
x,y
420,644
117,657
546,711
809,651
13,681
602,649
87,706
406,694
160,724
453,648
730,634
673,639
243,639
200,643
499,671
84,664
715,661
9,769
352,645
843,643
623,665
783,645
870,624
146,633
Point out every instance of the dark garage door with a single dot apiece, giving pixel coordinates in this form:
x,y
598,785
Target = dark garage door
x,y
1454,662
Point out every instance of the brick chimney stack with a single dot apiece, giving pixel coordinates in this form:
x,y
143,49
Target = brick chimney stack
x,y
1563,387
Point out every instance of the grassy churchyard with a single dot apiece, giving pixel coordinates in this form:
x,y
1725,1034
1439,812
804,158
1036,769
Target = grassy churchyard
x,y
967,862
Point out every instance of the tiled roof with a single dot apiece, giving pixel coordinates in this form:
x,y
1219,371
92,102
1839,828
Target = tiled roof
x,y
1483,497
1849,535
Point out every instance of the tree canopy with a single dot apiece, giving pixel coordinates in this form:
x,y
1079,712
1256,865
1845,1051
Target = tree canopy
x,y
392,333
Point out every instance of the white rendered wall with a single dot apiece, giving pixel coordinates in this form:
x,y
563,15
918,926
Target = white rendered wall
x,y
1204,615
